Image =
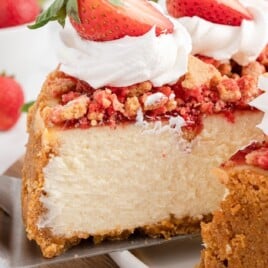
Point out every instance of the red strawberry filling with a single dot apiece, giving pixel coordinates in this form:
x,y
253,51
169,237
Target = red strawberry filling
x,y
255,154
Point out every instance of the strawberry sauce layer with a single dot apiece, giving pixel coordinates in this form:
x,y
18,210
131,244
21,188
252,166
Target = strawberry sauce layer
x,y
255,154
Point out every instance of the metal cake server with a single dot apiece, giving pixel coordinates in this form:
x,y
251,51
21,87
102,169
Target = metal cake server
x,y
17,251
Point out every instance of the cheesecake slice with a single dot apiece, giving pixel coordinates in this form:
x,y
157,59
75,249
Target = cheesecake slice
x,y
106,162
238,234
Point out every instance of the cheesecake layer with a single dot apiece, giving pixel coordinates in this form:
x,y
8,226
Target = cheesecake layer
x,y
127,177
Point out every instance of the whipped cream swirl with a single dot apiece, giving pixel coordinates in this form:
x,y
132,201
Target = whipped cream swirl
x,y
126,61
223,42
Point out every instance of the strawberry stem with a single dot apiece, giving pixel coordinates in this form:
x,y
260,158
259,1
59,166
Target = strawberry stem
x,y
72,10
26,106
57,11
116,2
4,74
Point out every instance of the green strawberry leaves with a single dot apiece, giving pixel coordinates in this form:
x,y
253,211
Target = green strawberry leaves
x,y
25,108
57,11
72,10
116,2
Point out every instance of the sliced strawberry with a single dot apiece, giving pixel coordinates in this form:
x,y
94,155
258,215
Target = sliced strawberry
x,y
17,12
228,12
103,20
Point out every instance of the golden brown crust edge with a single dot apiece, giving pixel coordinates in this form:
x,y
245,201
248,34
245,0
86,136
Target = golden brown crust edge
x,y
237,237
32,183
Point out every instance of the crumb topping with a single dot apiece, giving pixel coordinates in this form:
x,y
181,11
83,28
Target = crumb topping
x,y
209,87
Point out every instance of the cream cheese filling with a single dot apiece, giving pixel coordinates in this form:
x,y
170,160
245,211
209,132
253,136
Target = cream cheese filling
x,y
103,179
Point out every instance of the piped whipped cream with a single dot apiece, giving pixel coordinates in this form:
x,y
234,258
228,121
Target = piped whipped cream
x,y
261,103
223,42
126,61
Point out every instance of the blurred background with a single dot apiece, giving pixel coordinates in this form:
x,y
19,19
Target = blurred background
x,y
26,56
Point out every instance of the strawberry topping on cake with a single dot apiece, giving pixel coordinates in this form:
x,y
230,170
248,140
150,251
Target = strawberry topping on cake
x,y
224,30
121,47
100,20
228,12
114,19
98,94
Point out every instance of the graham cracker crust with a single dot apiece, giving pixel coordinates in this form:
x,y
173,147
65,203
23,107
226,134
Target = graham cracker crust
x,y
237,237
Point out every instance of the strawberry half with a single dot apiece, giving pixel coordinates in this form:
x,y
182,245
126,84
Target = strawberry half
x,y
228,12
17,12
104,20
11,101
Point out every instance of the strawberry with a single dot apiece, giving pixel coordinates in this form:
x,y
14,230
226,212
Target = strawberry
x,y
11,101
16,12
228,12
104,20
